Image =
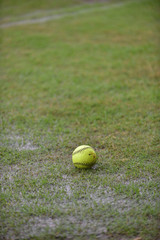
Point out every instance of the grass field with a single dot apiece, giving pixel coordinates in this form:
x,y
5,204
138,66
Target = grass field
x,y
91,78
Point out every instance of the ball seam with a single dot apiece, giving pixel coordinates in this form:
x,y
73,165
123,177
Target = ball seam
x,y
81,150
84,164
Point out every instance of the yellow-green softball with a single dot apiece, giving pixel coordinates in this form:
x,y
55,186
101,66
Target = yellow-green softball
x,y
84,156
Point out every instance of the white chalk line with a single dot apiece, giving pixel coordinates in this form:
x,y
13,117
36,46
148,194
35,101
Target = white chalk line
x,y
63,15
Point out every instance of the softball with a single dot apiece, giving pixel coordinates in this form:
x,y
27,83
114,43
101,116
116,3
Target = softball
x,y
84,157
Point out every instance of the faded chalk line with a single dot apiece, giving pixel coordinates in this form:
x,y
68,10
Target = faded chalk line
x,y
20,143
63,15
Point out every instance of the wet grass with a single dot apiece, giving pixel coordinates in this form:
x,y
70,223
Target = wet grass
x,y
91,79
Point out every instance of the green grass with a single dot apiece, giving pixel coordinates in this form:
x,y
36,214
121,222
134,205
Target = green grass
x,y
88,79
13,8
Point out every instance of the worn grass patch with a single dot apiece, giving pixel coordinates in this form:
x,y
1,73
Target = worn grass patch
x,y
90,79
